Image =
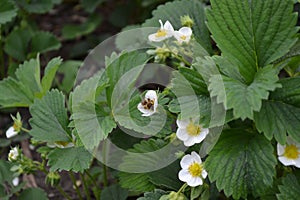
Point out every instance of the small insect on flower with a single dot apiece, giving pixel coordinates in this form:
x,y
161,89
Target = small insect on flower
x,y
149,104
289,154
192,171
13,154
183,34
190,132
166,31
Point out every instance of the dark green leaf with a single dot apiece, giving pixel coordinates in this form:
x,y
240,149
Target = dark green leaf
x,y
49,73
91,5
49,118
290,188
33,193
241,163
75,159
69,70
155,195
281,113
114,192
37,6
43,42
8,11
5,173
252,34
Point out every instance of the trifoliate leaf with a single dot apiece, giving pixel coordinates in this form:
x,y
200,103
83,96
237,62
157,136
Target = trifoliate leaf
x,y
49,73
241,163
155,195
253,33
75,159
8,11
114,192
17,43
43,42
71,31
33,193
290,188
242,98
281,113
49,118
172,11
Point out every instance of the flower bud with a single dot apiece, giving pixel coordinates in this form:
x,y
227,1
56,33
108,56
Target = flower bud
x,y
186,21
52,178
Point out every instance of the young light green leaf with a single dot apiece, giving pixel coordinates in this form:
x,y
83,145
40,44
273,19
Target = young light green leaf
x,y
49,118
252,34
172,11
241,163
281,113
290,188
114,192
49,73
17,43
75,159
243,98
8,11
33,193
43,42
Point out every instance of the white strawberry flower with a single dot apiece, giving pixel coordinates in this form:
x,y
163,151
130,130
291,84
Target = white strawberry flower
x,y
16,181
192,171
13,154
190,132
289,154
149,105
166,31
183,34
15,128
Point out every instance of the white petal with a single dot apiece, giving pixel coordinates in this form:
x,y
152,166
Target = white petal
x,y
285,161
204,174
153,38
161,24
196,157
199,138
187,31
182,123
182,134
189,142
297,162
195,181
11,132
168,26
184,175
280,149
186,161
15,181
149,113
289,140
151,94
141,108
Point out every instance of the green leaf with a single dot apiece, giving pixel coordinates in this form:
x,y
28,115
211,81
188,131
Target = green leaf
x,y
49,73
252,34
281,113
73,31
242,98
69,70
241,163
5,173
155,195
20,92
8,11
33,193
49,118
92,119
114,192
90,5
75,159
17,43
137,161
172,11
290,188
167,177
37,6
43,42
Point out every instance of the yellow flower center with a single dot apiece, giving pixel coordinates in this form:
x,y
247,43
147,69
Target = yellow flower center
x,y
195,169
192,129
161,33
183,37
291,152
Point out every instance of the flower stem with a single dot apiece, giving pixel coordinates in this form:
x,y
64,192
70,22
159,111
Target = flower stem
x,y
25,130
58,187
85,187
182,188
75,185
